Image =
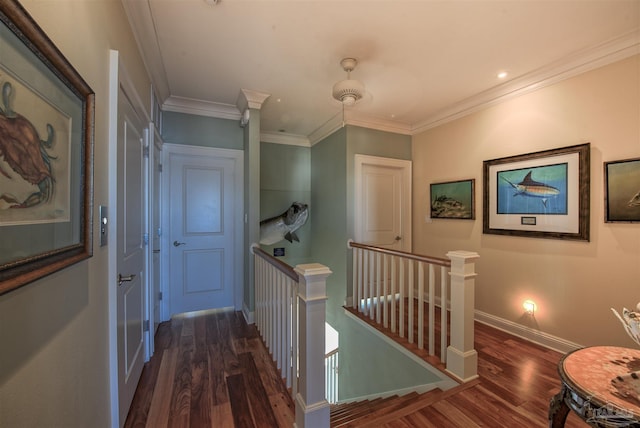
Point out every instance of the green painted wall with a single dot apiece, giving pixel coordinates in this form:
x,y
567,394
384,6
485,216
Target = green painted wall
x,y
332,178
285,177
182,128
329,204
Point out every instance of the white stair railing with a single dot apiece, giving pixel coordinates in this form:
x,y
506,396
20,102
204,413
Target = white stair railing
x,y
290,315
389,285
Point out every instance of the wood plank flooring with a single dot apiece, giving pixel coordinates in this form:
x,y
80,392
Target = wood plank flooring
x,y
214,371
211,370
516,381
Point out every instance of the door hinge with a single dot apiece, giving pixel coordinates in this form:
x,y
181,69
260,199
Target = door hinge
x,y
145,151
146,239
145,325
159,167
160,295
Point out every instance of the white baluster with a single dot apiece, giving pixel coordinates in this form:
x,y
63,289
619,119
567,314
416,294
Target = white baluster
x,y
420,302
378,288
444,324
410,301
393,293
402,286
385,290
432,310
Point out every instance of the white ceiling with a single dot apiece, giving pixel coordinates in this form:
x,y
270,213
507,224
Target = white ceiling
x,y
422,62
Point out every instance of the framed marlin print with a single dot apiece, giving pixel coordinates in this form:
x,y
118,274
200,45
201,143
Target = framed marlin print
x,y
622,191
46,154
542,195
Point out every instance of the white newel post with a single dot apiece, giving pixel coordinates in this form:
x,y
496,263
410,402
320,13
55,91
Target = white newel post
x,y
462,358
312,407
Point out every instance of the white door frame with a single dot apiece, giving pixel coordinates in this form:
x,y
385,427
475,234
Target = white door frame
x,y
405,165
117,76
238,157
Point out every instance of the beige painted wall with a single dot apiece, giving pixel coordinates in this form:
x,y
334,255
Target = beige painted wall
x,y
53,332
573,283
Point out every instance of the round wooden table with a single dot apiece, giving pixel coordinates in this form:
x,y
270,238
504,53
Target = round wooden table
x,y
588,390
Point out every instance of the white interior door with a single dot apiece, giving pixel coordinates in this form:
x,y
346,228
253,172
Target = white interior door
x,y
130,247
383,202
204,188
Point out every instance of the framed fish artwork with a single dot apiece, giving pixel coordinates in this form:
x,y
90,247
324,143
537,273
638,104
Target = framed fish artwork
x,y
453,200
622,191
46,154
542,195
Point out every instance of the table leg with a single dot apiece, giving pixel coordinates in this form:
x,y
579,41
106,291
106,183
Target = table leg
x,y
558,409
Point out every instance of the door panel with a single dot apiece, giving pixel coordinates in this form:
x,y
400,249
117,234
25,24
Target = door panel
x,y
382,205
130,252
202,234
383,202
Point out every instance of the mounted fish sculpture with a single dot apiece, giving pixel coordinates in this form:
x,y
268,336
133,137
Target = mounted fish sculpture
x,y
284,226
530,187
26,154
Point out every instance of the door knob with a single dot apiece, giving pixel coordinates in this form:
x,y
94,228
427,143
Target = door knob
x,y
127,278
177,244
398,238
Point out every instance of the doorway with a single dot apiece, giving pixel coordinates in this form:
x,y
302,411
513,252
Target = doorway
x,y
383,202
203,219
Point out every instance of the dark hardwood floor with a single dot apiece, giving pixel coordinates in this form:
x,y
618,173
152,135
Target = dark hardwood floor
x,y
211,370
516,381
214,371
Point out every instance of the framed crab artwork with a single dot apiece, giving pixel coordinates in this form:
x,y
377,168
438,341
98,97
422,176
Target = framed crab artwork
x,y
46,154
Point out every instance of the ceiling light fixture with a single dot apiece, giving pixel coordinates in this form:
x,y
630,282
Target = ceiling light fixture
x,y
348,91
502,74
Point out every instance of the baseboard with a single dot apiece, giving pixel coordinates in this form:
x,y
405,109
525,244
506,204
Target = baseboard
x,y
248,315
532,335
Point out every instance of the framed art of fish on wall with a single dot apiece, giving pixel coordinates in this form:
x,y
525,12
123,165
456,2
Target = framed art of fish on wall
x,y
46,154
622,191
542,195
453,199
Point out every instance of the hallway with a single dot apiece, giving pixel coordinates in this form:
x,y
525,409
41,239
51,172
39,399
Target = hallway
x,y
210,369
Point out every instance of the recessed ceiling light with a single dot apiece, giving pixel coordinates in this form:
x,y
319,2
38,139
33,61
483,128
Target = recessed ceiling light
x,y
502,74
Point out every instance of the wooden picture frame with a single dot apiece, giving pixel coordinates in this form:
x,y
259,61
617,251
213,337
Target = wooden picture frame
x,y
46,154
540,195
453,200
622,191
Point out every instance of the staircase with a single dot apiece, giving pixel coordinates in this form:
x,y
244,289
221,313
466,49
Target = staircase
x,y
379,411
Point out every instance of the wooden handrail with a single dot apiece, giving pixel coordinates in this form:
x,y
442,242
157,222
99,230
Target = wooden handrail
x,y
278,264
427,259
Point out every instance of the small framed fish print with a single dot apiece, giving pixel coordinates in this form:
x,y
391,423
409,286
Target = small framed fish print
x,y
453,200
542,195
622,191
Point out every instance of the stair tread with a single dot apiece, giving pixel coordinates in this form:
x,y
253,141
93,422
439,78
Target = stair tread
x,y
373,409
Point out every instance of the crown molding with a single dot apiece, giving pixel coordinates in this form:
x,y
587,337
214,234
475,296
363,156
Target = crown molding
x,y
329,127
589,59
143,27
201,108
284,138
357,119
248,98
